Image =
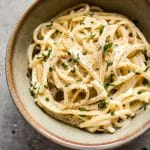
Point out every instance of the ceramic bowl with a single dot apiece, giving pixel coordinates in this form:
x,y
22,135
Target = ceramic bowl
x,y
16,68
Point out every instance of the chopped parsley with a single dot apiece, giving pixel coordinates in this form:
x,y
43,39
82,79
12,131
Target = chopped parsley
x,y
147,68
47,99
109,80
92,22
70,60
82,109
57,31
92,35
45,54
145,54
73,70
50,69
139,92
144,106
77,59
101,29
68,53
79,80
108,39
81,21
85,53
45,86
102,104
34,89
65,66
145,81
112,113
145,62
66,85
107,47
137,73
109,64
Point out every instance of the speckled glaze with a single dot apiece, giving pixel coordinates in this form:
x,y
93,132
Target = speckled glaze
x,y
16,69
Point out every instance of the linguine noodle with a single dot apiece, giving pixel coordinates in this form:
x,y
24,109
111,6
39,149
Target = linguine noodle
x,y
90,69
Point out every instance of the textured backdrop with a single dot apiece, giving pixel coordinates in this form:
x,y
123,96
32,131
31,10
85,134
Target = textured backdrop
x,y
15,133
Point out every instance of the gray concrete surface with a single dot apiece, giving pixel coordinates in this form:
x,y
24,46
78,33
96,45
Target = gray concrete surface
x,y
15,133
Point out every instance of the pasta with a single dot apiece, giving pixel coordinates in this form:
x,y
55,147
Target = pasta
x,y
90,68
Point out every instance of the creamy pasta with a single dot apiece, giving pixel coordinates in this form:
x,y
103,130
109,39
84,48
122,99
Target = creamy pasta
x,y
90,68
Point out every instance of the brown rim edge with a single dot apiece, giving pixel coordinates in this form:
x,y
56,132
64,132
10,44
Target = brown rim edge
x,y
28,117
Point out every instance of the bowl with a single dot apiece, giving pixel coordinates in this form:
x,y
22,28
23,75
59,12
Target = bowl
x,y
16,68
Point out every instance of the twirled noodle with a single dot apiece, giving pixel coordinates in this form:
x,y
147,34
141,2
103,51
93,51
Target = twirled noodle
x,y
90,68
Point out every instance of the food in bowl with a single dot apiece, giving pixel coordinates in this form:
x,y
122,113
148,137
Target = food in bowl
x,y
90,68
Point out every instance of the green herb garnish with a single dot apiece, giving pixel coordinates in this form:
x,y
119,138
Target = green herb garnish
x,y
68,53
85,53
46,54
73,70
77,59
50,69
65,66
47,99
57,31
137,73
66,85
145,62
147,68
145,54
34,89
101,29
46,86
70,60
139,92
82,109
116,45
92,35
109,80
112,113
144,106
85,37
81,21
102,104
109,64
107,47
145,81
92,22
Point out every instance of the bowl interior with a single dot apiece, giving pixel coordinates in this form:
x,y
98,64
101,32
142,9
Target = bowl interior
x,y
43,11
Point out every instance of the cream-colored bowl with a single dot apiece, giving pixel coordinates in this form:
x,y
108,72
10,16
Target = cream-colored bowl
x,y
18,83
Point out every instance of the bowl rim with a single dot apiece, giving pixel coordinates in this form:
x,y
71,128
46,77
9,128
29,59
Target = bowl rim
x,y
17,101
